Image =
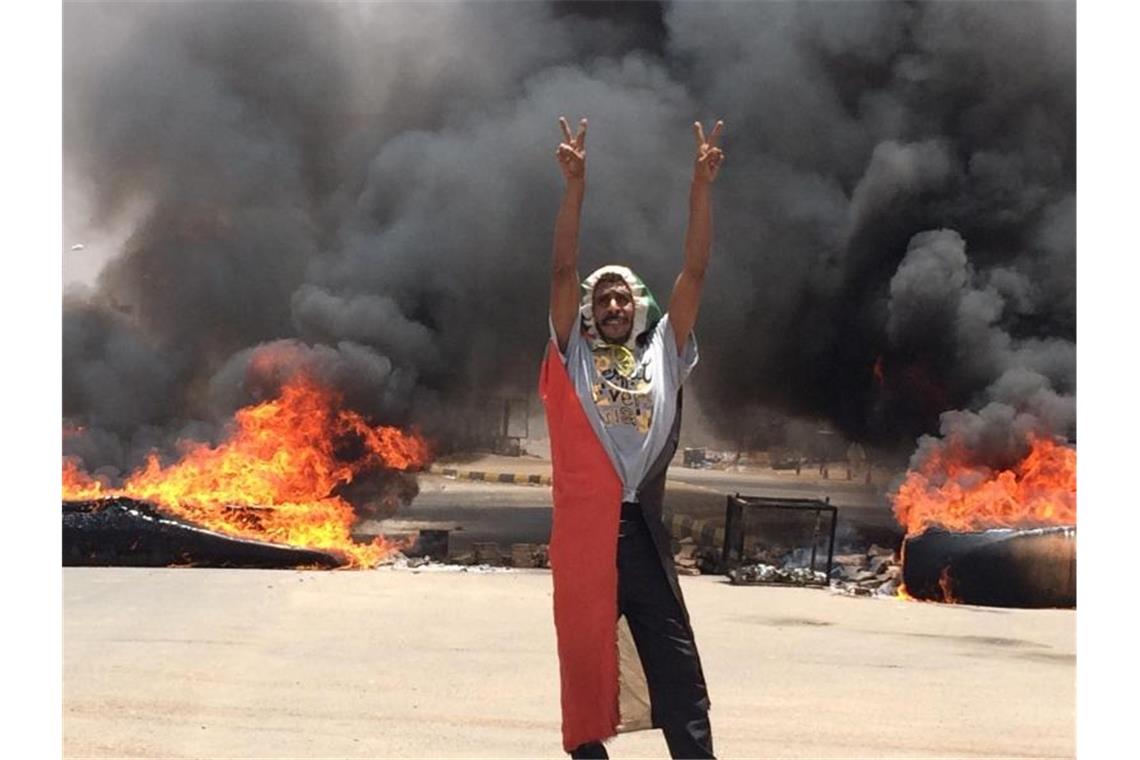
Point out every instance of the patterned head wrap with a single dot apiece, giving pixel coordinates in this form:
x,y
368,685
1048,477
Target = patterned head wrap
x,y
646,312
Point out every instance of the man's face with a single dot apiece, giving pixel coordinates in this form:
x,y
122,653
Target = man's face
x,y
613,310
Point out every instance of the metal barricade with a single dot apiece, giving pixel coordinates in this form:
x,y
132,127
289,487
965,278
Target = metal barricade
x,y
736,526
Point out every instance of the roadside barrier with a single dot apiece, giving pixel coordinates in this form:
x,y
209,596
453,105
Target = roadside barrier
x,y
492,477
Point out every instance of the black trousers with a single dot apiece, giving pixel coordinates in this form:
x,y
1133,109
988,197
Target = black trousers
x,y
678,695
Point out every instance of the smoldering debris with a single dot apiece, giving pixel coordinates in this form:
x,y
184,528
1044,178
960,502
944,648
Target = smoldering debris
x,y
856,571
761,573
128,533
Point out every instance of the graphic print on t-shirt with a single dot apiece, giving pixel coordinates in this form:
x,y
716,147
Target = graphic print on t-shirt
x,y
621,390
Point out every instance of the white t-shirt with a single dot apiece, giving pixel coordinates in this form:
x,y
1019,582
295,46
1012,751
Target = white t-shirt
x,y
630,397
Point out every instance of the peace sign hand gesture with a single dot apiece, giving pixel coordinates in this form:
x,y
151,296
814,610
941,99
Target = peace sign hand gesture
x,y
572,152
709,156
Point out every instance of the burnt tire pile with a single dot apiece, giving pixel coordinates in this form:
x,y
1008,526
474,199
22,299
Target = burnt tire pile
x,y
1006,567
123,532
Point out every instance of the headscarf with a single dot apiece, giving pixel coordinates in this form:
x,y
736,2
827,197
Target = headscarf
x,y
646,312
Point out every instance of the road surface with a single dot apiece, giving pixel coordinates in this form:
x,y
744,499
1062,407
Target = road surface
x,y
506,514
180,662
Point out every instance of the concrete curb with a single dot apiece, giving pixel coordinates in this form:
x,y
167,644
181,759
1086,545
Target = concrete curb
x,y
492,477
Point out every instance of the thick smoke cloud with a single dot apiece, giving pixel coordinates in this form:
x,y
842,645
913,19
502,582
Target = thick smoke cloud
x,y
367,192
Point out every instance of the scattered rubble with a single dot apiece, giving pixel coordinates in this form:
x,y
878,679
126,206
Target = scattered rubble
x,y
426,564
702,458
685,560
520,556
761,573
875,571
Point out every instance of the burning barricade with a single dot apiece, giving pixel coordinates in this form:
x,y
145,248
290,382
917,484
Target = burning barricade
x,y
1001,536
975,533
278,480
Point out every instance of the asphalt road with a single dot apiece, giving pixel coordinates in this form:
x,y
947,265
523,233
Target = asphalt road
x,y
506,514
841,492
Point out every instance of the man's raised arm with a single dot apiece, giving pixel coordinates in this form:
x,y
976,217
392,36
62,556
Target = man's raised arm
x,y
564,298
686,298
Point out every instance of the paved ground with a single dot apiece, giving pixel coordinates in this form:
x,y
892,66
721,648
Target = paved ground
x,y
165,663
869,499
508,513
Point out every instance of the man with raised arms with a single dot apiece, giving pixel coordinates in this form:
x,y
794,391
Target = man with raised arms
x,y
611,383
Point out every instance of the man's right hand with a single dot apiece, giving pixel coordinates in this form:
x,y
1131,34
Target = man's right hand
x,y
564,298
571,152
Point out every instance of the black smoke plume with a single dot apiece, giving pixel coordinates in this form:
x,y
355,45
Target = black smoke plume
x,y
369,191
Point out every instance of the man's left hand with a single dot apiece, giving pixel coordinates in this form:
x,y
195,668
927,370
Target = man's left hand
x,y
709,156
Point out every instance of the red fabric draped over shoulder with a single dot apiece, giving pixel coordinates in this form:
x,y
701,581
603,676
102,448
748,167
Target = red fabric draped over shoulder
x,y
583,560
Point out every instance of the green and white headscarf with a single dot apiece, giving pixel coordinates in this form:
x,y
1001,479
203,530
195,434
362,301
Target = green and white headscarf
x,y
646,312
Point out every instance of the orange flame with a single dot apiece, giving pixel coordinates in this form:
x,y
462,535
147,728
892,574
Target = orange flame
x,y
877,371
948,492
273,479
78,485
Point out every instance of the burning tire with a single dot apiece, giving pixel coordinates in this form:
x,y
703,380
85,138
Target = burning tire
x,y
1003,567
127,533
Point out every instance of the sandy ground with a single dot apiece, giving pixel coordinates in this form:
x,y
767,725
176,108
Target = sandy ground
x,y
173,662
